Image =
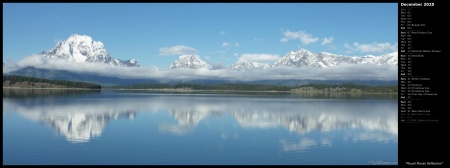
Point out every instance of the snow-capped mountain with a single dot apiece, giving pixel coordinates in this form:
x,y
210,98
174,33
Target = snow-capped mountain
x,y
243,64
189,61
391,59
81,48
305,58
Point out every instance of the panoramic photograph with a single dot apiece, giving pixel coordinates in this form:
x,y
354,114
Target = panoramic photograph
x,y
200,84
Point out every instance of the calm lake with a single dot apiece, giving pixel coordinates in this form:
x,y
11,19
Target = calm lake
x,y
143,127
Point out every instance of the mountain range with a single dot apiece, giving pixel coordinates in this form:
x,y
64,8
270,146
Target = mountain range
x,y
305,58
300,58
82,48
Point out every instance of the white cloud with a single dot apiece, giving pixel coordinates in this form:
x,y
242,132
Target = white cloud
x,y
341,72
39,61
326,41
216,65
284,39
259,57
304,38
222,33
225,44
177,50
374,47
229,45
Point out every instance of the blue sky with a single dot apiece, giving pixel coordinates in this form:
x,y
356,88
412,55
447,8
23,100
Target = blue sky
x,y
220,33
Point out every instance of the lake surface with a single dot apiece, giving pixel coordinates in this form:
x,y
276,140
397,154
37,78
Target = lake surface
x,y
139,127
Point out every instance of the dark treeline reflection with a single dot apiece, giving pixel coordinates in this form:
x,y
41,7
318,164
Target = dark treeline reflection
x,y
38,93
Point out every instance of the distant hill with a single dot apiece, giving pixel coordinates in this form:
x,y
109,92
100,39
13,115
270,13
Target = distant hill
x,y
31,82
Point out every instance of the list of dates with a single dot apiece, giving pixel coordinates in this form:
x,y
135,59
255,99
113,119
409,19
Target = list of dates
x,y
417,91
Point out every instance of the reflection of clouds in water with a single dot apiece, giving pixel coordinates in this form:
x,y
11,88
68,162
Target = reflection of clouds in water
x,y
175,129
189,117
254,120
86,118
325,122
187,121
374,136
326,142
302,145
389,125
223,135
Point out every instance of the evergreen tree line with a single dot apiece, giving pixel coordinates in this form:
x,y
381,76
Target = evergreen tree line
x,y
70,84
229,86
261,87
347,87
37,93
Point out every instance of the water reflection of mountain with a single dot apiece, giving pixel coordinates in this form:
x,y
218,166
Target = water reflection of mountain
x,y
78,120
186,121
323,122
84,118
291,114
81,127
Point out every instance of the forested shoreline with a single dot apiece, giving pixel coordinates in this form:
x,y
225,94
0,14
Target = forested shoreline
x,y
316,88
31,82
